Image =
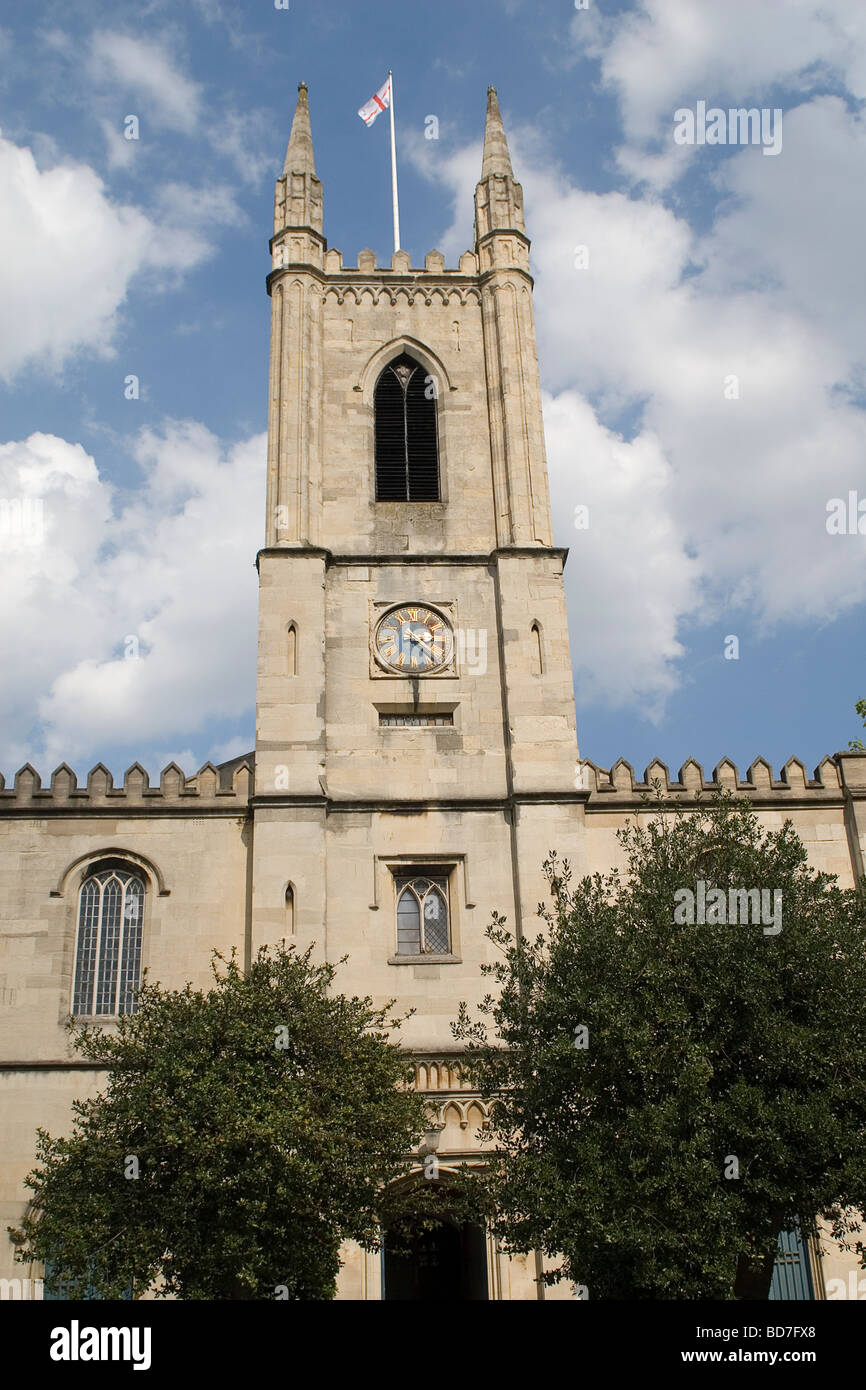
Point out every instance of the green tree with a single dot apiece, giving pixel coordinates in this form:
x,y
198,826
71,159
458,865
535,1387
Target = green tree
x,y
717,1095
857,743
243,1133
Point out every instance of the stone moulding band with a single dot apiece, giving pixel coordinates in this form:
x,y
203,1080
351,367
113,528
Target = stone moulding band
x,y
403,558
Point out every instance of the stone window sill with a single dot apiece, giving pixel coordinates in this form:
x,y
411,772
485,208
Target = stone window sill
x,y
98,1018
425,959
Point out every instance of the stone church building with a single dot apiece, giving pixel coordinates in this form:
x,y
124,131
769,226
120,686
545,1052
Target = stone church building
x,y
416,754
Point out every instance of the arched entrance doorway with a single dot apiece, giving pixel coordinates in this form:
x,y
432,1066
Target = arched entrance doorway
x,y
436,1266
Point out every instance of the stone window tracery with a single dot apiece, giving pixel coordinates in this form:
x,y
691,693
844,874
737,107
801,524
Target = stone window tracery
x,y
423,926
108,941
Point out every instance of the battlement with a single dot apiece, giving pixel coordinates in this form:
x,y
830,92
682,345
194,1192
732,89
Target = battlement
x,y
429,284
222,789
835,779
434,264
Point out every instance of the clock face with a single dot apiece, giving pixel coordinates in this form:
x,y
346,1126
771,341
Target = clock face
x,y
413,639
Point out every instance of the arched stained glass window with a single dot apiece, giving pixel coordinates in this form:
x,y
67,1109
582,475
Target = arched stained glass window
x,y
407,449
108,945
422,917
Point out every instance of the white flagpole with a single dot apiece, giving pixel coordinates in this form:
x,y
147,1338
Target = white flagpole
x,y
394,167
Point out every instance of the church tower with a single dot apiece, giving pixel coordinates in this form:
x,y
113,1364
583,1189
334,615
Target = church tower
x,y
416,746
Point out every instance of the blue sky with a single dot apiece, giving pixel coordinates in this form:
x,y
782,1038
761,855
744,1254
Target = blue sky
x,y
707,509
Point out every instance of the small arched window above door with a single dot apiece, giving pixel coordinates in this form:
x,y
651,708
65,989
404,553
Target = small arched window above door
x,y
407,444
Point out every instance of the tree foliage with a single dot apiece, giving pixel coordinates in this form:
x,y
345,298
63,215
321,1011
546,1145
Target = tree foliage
x,y
265,1117
712,1048
856,744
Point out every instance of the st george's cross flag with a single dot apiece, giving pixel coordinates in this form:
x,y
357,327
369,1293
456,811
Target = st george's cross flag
x,y
379,102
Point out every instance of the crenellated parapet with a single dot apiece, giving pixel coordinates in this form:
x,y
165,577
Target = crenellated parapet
x,y
223,790
430,284
835,780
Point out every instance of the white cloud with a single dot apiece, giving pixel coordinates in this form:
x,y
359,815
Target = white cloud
x,y
70,254
715,511
171,568
120,151
146,75
629,577
664,54
798,225
246,139
147,70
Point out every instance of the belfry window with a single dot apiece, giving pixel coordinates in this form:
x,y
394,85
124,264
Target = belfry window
x,y
422,916
108,943
407,450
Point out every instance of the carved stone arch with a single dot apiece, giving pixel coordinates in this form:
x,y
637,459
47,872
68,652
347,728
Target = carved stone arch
x,y
376,363
462,1108
433,366
84,861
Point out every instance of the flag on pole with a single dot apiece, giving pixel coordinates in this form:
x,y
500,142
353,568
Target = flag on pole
x,y
383,100
380,101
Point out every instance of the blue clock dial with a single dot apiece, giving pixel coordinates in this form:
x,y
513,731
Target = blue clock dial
x,y
413,640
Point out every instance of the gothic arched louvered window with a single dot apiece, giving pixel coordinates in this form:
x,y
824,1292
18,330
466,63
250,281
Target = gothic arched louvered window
x,y
407,449
108,943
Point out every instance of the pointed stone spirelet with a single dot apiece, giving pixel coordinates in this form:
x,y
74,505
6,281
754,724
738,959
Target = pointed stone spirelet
x,y
496,159
298,194
299,154
498,196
